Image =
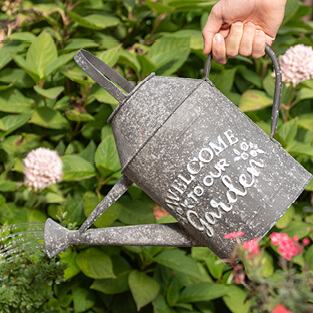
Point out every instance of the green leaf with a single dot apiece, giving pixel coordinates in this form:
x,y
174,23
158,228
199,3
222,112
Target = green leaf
x,y
94,21
106,157
58,63
191,4
250,76
5,87
288,130
41,53
224,79
111,56
236,300
80,43
17,76
13,101
309,187
290,10
134,212
159,8
130,59
304,93
146,65
22,36
89,152
51,93
20,61
308,256
49,118
12,214
178,261
216,270
12,122
74,115
113,286
267,264
143,288
169,53
8,185
299,229
83,299
306,121
108,217
5,57
102,96
173,291
160,305
36,216
299,148
252,100
286,219
94,263
202,292
76,168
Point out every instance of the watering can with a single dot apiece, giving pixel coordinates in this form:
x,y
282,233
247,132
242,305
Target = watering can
x,y
197,155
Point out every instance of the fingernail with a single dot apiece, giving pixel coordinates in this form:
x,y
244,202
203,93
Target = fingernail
x,y
260,32
238,23
218,37
250,24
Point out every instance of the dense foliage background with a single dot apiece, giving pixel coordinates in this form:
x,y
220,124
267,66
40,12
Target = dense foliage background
x,y
47,101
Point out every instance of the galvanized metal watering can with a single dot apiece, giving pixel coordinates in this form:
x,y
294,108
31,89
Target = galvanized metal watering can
x,y
197,155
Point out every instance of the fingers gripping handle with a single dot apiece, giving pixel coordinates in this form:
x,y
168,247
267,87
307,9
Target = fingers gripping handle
x,y
278,85
100,72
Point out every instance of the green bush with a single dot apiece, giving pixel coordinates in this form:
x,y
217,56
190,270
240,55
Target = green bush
x,y
46,100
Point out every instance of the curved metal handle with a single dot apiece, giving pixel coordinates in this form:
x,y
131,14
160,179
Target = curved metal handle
x,y
278,85
100,72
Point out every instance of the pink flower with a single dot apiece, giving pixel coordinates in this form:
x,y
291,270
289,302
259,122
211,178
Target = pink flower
x,y
278,238
239,279
234,235
306,242
252,246
42,168
297,64
239,275
159,212
280,308
287,247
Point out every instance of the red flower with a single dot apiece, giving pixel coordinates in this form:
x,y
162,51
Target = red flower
x,y
306,241
234,235
252,246
280,308
287,247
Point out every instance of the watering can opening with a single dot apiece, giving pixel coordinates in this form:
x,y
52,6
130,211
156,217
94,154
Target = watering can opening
x,y
197,155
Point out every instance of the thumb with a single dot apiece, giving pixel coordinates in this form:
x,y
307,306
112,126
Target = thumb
x,y
212,27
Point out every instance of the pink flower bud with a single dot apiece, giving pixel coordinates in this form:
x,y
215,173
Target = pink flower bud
x,y
234,235
306,241
280,308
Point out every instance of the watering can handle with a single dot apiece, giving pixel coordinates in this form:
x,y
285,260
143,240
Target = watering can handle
x,y
100,72
278,85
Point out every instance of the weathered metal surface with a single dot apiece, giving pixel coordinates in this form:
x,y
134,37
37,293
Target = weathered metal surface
x,y
57,238
196,154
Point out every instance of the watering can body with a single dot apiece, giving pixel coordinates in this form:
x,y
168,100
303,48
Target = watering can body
x,y
196,154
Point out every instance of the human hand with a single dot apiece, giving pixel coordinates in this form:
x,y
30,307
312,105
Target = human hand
x,y
246,24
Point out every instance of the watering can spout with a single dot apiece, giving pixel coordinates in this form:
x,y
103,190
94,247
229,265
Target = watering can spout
x,y
56,238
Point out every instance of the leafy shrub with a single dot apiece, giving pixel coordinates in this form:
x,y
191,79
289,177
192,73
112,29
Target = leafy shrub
x,y
47,101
